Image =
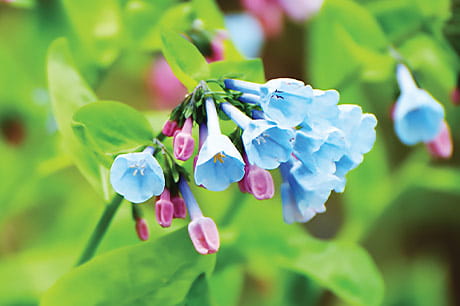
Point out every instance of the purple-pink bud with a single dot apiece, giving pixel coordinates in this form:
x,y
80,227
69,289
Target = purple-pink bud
x,y
441,146
204,235
142,229
180,211
184,144
169,128
268,12
164,209
258,182
455,96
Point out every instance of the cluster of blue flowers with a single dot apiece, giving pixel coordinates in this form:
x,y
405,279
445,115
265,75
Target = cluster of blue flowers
x,y
282,124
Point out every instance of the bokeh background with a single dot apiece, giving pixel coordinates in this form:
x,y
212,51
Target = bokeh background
x,y
401,204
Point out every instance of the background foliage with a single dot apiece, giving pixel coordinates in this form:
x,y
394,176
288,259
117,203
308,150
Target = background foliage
x,y
63,66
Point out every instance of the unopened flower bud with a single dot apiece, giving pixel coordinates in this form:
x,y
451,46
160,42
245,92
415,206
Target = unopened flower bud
x,y
180,211
169,128
258,182
184,144
142,229
441,146
164,209
204,235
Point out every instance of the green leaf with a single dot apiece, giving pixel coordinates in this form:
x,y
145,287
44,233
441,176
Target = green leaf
x,y
159,272
249,70
344,268
68,92
98,27
111,128
185,60
199,293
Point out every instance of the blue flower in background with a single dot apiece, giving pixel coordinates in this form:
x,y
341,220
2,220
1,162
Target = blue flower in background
x,y
267,144
137,176
417,115
286,101
246,33
219,164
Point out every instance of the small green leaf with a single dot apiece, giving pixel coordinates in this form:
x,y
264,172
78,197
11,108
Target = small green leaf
x,y
159,272
249,70
111,128
185,60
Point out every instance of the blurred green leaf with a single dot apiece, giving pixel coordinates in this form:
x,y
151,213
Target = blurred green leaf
x,y
249,70
199,292
209,13
144,274
187,63
337,37
111,128
344,268
68,93
98,26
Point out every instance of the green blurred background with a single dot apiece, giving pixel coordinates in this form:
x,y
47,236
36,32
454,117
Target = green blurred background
x,y
400,204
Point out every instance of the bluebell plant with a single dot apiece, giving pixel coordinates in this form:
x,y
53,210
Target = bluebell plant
x,y
282,124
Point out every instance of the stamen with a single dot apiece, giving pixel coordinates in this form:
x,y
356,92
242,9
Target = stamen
x,y
218,157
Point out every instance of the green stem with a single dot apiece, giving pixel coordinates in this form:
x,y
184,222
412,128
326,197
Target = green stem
x,y
101,228
233,208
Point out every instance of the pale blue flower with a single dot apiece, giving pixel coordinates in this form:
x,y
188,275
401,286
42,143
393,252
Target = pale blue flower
x,y
219,163
359,131
286,101
417,115
291,211
137,176
266,144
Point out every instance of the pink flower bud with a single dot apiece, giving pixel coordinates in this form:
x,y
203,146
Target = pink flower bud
x,y
184,144
142,229
164,209
204,235
166,90
180,211
217,47
257,181
300,10
441,146
169,128
455,96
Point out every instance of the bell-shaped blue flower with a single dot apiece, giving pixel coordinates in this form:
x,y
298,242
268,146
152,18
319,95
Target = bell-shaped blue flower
x,y
137,176
417,115
359,131
286,101
303,193
266,144
219,163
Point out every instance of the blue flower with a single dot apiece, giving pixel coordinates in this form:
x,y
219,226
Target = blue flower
x,y
291,211
219,163
246,33
137,176
267,144
359,131
286,101
417,115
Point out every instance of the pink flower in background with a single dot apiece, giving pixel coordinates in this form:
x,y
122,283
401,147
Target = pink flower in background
x,y
270,12
442,145
455,96
167,91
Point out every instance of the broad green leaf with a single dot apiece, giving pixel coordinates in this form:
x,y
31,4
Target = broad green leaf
x,y
185,60
199,292
68,92
98,27
344,268
330,49
111,128
158,272
249,70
